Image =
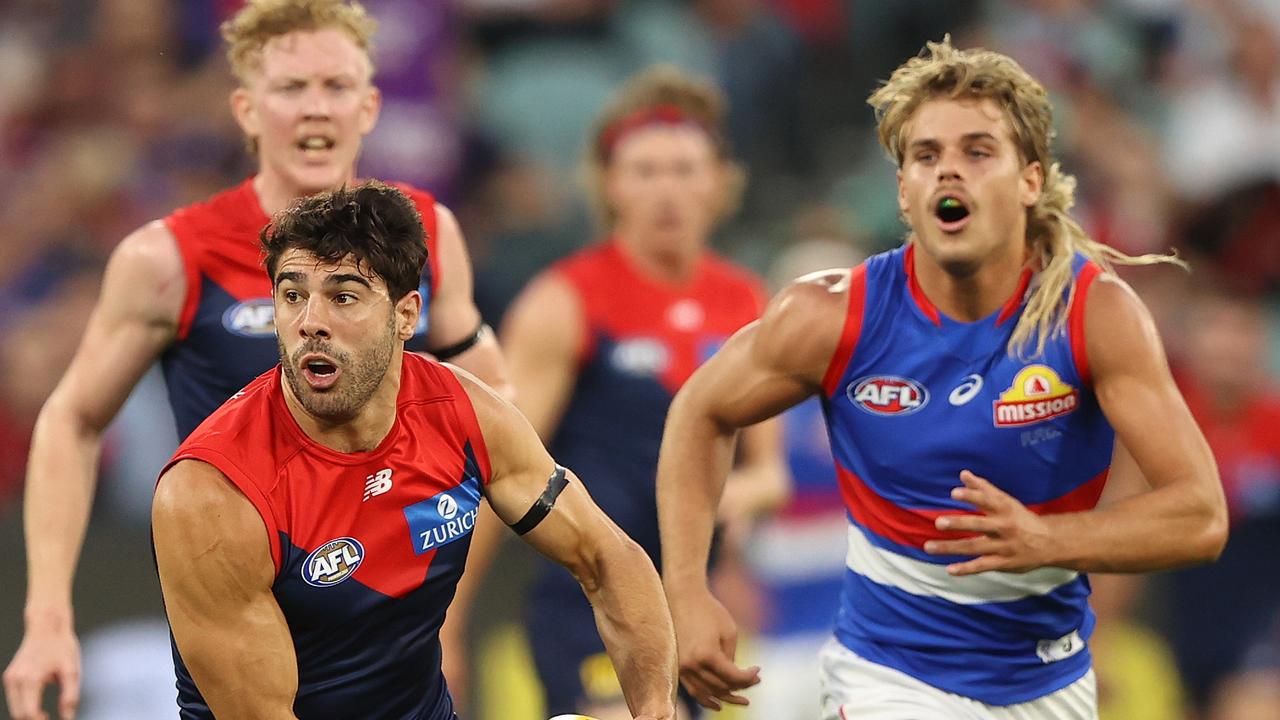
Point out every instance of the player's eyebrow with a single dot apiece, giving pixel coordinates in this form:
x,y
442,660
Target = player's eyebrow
x,y
335,279
932,144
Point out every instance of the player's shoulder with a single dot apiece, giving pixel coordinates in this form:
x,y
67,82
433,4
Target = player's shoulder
x,y
803,323
424,200
227,205
246,423
725,274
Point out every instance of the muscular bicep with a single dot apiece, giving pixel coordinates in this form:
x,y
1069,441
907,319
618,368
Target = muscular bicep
x,y
135,318
776,361
1137,392
541,334
216,575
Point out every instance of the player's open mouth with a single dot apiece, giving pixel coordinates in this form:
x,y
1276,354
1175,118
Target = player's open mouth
x,y
315,144
320,372
952,213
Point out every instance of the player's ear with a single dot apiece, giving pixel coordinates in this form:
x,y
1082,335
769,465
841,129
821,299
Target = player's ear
x,y
1031,183
245,114
903,205
407,311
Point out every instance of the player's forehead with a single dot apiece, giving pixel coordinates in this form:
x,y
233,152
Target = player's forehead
x,y
320,53
663,141
949,120
300,266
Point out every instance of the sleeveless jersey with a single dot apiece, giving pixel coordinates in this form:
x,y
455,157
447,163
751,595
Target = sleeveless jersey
x,y
642,340
913,397
368,547
226,332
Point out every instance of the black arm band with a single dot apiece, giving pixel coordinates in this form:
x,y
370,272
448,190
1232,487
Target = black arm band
x,y
456,349
543,504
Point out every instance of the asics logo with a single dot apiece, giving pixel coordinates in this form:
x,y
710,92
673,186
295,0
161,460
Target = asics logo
x,y
966,390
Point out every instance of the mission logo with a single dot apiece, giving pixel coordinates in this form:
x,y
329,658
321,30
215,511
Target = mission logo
x,y
1037,394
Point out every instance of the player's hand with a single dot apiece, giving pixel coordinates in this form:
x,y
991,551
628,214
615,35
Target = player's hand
x,y
1009,536
45,656
706,639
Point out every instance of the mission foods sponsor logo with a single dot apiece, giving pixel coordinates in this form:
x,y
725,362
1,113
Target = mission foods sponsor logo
x,y
1037,394
251,318
888,394
333,562
448,516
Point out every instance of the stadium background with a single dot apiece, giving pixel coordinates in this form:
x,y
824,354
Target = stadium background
x,y
113,112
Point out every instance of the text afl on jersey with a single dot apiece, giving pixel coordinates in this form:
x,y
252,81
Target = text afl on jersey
x,y
255,317
443,518
888,394
333,562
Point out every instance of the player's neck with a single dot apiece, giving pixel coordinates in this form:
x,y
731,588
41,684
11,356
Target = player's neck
x,y
669,266
276,194
971,296
366,430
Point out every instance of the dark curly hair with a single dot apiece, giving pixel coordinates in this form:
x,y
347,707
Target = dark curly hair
x,y
374,222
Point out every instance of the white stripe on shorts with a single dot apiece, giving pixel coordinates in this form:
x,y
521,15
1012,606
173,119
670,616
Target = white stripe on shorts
x,y
857,689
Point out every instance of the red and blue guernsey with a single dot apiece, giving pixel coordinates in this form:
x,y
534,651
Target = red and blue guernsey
x,y
226,333
643,338
368,547
913,397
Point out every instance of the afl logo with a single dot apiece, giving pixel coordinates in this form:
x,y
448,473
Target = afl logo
x,y
888,395
333,562
251,318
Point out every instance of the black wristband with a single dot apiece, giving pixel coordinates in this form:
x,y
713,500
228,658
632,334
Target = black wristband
x,y
543,504
456,349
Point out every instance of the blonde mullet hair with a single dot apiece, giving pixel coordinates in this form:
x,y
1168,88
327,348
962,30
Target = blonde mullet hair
x,y
1053,236
249,30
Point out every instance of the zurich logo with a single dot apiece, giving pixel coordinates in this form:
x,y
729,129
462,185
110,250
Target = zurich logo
x,y
966,390
447,507
251,318
333,562
448,516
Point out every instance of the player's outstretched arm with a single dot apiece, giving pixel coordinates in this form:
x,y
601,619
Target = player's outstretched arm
x,y
762,370
614,571
136,316
216,574
1178,517
453,317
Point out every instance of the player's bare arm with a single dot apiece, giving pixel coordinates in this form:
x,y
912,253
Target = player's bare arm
x,y
542,355
1179,519
216,574
135,318
541,363
765,368
614,571
455,331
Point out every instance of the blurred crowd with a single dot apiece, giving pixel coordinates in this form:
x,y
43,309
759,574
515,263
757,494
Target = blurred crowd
x,y
114,112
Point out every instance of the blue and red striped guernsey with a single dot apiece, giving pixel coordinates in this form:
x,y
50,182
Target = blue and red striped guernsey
x,y
226,332
368,547
913,397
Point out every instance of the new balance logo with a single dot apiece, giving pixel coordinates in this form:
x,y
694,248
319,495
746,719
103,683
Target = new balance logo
x,y
377,483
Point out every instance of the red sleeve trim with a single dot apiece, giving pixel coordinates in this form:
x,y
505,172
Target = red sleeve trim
x,y
244,484
1075,320
466,414
852,330
191,269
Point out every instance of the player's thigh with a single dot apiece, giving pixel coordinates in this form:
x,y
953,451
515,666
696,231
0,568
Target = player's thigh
x,y
856,689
